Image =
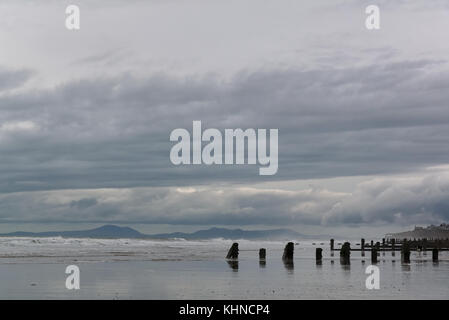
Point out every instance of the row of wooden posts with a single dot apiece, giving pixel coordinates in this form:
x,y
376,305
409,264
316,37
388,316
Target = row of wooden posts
x,y
345,252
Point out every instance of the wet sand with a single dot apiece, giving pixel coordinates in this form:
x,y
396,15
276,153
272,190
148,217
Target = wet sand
x,y
138,269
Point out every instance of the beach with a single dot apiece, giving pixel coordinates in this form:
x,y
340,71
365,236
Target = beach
x,y
34,268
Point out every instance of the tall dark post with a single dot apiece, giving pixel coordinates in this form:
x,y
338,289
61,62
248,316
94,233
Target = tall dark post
x,y
377,245
345,252
393,242
288,252
362,247
383,243
233,252
319,254
405,251
435,255
332,244
373,256
372,244
262,254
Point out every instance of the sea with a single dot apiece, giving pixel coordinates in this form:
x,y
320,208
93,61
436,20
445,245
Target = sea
x,y
35,268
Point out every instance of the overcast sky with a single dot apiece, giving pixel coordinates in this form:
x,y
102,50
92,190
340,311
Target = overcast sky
x,y
85,116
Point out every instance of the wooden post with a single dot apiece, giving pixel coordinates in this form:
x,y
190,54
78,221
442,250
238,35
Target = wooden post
x,y
435,255
262,254
288,252
345,252
377,245
318,254
393,242
405,251
372,244
332,244
383,243
233,252
362,244
373,256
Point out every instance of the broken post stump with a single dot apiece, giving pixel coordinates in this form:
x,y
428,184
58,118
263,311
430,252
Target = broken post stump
x,y
377,246
262,254
318,254
233,252
405,251
362,244
288,252
435,255
373,255
345,252
332,244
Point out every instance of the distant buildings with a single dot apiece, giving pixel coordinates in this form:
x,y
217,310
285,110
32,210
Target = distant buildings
x,y
431,232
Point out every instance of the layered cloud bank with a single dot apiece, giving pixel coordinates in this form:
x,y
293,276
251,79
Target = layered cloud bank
x,y
377,201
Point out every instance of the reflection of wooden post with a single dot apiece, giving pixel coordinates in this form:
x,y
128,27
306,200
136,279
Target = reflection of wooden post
x,y
345,252
233,252
332,244
319,254
288,251
373,256
262,254
435,255
405,251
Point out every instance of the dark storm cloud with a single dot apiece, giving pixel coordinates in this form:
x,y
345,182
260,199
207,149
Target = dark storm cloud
x,y
114,132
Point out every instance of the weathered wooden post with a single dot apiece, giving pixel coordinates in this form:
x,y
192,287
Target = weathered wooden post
x,y
435,255
345,252
383,243
377,245
373,255
405,251
318,255
393,242
233,252
362,247
262,254
288,252
332,244
372,244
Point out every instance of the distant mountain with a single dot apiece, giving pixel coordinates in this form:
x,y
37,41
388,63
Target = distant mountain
x,y
107,231
275,234
114,232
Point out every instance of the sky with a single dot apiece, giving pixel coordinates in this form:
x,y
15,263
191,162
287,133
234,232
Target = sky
x,y
85,116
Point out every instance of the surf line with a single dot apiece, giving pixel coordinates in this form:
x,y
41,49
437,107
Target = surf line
x,y
254,142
